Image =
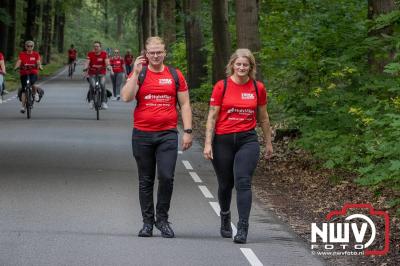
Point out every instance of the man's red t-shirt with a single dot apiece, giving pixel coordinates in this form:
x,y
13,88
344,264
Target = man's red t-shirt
x,y
128,59
117,63
238,105
29,63
156,108
1,58
72,53
97,61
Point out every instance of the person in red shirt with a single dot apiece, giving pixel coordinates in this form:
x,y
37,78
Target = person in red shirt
x,y
154,137
29,64
72,53
128,59
236,104
97,63
2,73
117,64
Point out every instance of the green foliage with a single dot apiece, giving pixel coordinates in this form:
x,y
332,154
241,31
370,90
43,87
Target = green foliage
x,y
315,56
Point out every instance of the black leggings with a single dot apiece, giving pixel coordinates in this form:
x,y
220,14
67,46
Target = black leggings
x,y
235,159
155,150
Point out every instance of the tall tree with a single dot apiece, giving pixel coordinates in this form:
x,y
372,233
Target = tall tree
x,y
139,23
221,38
154,21
247,29
376,8
146,19
168,10
195,54
4,22
12,27
31,26
45,49
61,31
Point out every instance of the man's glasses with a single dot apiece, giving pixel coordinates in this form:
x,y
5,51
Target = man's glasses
x,y
29,46
158,53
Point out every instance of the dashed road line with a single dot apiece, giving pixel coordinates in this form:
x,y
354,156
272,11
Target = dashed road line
x,y
251,257
196,177
215,207
187,165
180,152
206,192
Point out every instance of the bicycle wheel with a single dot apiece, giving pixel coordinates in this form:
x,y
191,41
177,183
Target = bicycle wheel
x,y
97,102
28,103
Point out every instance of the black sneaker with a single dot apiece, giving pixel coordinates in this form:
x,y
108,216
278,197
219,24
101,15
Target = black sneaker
x,y
146,231
165,228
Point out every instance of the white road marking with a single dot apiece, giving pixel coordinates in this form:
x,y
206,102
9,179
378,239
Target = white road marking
x,y
215,207
251,257
180,152
195,177
206,192
234,230
187,165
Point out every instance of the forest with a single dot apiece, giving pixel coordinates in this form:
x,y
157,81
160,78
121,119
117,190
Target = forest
x,y
331,67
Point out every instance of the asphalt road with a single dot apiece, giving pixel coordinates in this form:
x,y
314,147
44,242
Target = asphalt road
x,y
69,194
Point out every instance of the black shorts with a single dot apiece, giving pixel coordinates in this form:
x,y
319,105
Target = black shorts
x,y
71,60
32,78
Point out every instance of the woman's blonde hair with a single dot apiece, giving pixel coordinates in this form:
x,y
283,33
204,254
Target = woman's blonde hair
x,y
154,40
242,53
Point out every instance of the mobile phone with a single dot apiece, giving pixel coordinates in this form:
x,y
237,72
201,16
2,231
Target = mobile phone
x,y
143,53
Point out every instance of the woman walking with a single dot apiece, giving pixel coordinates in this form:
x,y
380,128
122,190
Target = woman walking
x,y
237,103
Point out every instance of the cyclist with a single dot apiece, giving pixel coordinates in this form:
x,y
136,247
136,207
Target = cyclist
x,y
72,57
117,64
128,62
2,73
29,64
97,62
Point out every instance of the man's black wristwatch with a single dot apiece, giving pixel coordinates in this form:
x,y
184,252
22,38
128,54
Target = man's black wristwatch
x,y
189,131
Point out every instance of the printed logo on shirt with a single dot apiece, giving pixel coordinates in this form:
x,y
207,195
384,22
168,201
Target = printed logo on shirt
x,y
241,111
157,97
212,100
99,59
32,58
248,96
165,81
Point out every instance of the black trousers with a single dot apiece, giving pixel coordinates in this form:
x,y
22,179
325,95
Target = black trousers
x,y
235,159
155,151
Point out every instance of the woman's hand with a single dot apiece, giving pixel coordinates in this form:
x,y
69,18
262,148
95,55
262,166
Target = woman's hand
x,y
208,154
268,151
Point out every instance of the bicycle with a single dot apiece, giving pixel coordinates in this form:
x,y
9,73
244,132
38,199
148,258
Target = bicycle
x,y
96,94
71,69
29,98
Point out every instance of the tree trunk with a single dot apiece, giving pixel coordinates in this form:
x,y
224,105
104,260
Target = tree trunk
x,y
139,23
146,19
11,30
376,61
169,21
196,57
154,21
31,27
106,17
60,38
119,27
221,38
4,23
55,26
46,32
247,32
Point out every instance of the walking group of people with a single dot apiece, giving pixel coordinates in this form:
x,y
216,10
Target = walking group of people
x,y
237,103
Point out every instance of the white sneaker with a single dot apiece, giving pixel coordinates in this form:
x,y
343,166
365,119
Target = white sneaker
x,y
91,104
113,98
104,106
22,110
37,97
118,97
